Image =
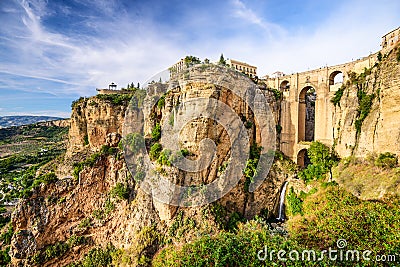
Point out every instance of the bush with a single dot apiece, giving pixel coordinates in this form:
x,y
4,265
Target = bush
x,y
120,191
156,132
164,158
161,102
386,160
155,151
338,96
48,177
6,236
107,150
98,257
135,141
276,92
295,204
116,99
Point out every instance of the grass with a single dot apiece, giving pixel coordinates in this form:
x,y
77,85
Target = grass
x,y
366,180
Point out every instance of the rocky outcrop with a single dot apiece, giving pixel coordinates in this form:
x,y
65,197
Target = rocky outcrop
x,y
105,203
380,130
92,120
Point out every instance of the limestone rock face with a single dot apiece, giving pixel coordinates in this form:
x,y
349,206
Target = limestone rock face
x,y
90,206
380,131
92,120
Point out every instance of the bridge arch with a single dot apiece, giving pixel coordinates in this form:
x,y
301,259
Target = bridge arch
x,y
306,114
336,77
302,158
284,86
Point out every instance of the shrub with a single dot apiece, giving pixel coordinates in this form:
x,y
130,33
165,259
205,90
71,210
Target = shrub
x,y
86,140
85,223
295,204
98,257
248,124
76,102
156,132
278,128
135,141
164,158
155,151
116,99
276,92
120,191
386,160
6,236
161,102
139,176
48,177
107,150
338,96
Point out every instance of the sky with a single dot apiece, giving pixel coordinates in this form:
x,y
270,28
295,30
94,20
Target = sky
x,y
54,51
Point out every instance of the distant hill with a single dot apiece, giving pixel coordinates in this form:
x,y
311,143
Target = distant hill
x,y
9,121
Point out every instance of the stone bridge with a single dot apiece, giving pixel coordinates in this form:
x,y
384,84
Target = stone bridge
x,y
306,111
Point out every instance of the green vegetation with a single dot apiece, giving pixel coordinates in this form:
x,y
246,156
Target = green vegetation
x,y
222,60
379,56
364,107
165,157
161,102
97,257
120,191
338,96
85,223
86,140
191,60
277,93
105,210
251,165
156,132
115,99
76,102
135,142
24,151
278,128
322,158
155,151
295,203
386,160
58,249
320,221
363,178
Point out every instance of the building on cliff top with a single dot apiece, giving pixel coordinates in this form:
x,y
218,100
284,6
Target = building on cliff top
x,y
112,89
390,40
242,67
247,69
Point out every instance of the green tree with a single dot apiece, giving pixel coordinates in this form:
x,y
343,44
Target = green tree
x,y
222,60
322,157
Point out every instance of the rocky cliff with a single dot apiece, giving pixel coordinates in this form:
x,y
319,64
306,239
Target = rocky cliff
x,y
101,209
366,117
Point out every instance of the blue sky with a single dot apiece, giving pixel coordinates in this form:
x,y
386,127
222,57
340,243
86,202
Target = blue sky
x,y
52,52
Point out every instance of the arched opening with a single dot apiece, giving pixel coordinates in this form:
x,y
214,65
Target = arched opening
x,y
336,77
302,158
306,123
285,86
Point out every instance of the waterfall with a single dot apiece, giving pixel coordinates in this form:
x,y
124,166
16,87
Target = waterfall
x,y
281,216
